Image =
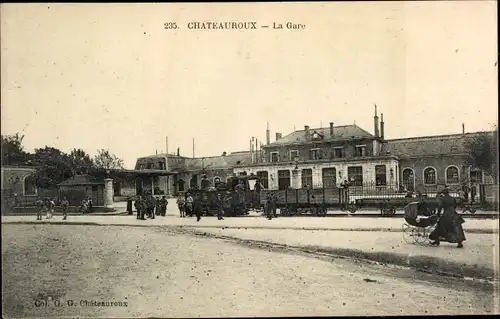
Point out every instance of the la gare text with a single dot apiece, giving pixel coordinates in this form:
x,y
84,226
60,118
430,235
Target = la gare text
x,y
248,25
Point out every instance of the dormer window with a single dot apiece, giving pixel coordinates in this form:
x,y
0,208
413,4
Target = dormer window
x,y
360,150
314,154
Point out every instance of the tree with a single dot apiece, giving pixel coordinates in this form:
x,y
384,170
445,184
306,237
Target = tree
x,y
105,160
53,167
482,152
13,152
81,162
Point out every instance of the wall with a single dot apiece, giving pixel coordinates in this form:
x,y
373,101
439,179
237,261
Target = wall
x,y
326,149
341,167
440,163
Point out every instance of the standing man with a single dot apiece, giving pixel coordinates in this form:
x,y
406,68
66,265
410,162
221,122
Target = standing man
x,y
163,206
268,206
181,205
129,205
274,204
64,208
139,206
152,204
189,205
220,207
39,209
158,209
197,207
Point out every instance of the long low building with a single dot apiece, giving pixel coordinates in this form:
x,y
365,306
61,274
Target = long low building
x,y
327,156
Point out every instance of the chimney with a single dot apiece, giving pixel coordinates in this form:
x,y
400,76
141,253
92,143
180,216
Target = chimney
x,y
382,126
331,128
375,122
178,152
278,136
463,128
306,128
268,135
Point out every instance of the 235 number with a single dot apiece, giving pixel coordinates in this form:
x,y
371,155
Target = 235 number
x,y
170,25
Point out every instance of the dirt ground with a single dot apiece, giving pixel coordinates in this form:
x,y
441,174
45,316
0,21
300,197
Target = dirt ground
x,y
59,270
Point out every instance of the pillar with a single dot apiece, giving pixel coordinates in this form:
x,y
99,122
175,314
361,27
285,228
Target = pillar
x,y
108,193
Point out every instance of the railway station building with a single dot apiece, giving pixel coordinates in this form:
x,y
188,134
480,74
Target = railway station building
x,y
327,156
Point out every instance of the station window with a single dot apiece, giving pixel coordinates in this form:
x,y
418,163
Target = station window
x,y
355,175
429,176
452,176
283,179
360,150
274,157
380,175
264,178
307,178
338,152
329,177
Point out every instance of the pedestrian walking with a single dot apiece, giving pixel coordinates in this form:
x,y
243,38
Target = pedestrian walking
x,y
449,227
51,205
64,208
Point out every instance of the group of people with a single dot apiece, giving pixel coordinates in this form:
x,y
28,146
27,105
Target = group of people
x,y
147,206
193,204
86,205
48,205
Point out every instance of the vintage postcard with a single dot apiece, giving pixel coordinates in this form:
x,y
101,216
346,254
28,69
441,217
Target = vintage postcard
x,y
178,160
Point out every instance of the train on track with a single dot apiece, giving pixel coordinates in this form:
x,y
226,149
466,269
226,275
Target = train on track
x,y
243,194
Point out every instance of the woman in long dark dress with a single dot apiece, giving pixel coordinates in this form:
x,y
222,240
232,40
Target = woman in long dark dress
x,y
449,227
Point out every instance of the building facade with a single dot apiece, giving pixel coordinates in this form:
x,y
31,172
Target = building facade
x,y
328,156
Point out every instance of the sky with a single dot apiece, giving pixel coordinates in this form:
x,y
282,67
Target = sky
x,y
110,76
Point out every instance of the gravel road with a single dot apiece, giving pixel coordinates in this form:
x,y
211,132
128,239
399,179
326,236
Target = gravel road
x,y
157,273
